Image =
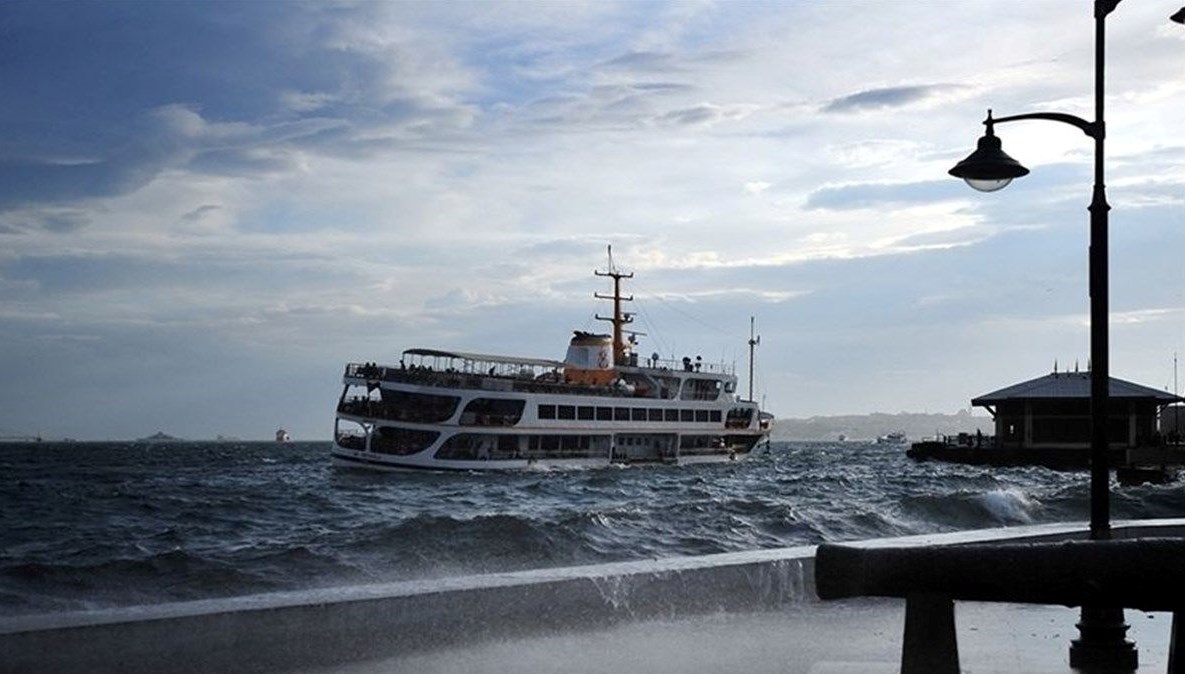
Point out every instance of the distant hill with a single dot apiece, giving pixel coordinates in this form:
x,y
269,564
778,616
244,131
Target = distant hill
x,y
159,437
7,434
870,426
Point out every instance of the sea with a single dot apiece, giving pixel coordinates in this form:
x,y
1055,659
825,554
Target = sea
x,y
95,525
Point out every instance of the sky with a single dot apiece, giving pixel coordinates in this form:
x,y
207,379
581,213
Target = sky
x,y
208,208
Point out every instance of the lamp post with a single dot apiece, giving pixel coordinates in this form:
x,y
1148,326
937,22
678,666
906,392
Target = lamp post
x,y
1101,644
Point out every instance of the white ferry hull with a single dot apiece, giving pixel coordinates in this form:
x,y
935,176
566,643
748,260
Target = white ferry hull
x,y
444,410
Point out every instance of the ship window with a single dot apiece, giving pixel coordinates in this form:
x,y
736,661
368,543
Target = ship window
x,y
566,412
639,414
415,407
401,441
571,444
604,414
704,445
584,412
655,414
715,416
671,415
492,412
686,415
479,447
701,415
621,413
739,417
350,434
701,389
568,446
547,411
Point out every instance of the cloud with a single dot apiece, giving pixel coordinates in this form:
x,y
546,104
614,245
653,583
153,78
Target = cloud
x,y
226,89
891,97
960,236
871,195
160,141
56,220
646,60
706,114
200,212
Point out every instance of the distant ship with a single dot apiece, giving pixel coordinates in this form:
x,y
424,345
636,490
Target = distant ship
x,y
894,438
282,435
160,436
445,410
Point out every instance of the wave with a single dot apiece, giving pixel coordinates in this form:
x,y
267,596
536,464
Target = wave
x,y
973,510
122,523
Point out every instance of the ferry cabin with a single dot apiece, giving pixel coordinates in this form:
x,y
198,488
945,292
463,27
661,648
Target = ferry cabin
x,y
441,409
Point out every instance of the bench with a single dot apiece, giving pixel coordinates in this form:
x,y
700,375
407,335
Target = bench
x,y
1106,576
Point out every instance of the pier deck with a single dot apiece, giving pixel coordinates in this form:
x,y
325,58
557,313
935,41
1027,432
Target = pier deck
x,y
849,637
748,611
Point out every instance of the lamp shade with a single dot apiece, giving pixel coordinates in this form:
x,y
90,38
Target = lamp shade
x,y
989,168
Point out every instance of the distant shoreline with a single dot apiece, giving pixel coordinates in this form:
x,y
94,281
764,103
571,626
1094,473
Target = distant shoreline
x,y
857,427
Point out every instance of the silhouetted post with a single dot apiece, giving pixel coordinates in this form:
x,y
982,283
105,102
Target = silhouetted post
x,y
1102,644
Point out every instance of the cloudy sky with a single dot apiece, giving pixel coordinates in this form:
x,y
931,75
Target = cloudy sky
x,y
207,208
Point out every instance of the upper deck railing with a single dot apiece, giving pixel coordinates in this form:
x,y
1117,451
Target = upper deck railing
x,y
495,380
687,364
488,382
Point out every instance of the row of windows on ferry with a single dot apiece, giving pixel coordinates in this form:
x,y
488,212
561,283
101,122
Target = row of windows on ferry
x,y
590,413
426,408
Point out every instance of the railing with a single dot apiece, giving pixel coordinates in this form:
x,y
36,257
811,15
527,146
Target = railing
x,y
1145,574
462,380
686,365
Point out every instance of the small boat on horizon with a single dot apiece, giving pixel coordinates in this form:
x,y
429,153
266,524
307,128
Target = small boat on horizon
x,y
600,406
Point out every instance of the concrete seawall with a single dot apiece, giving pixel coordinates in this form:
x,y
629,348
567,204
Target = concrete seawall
x,y
327,627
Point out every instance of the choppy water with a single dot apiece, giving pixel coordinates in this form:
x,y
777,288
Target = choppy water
x,y
102,524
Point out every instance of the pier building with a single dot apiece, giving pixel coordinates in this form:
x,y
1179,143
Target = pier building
x,y
1053,411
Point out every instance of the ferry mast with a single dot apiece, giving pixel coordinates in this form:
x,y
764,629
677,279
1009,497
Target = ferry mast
x,y
619,319
754,340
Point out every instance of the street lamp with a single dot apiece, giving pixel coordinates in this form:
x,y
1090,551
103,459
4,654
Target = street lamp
x,y
989,168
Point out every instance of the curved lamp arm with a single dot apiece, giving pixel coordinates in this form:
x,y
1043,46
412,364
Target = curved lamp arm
x,y
1095,130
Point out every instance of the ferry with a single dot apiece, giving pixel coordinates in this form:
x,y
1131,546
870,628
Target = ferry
x,y
600,406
